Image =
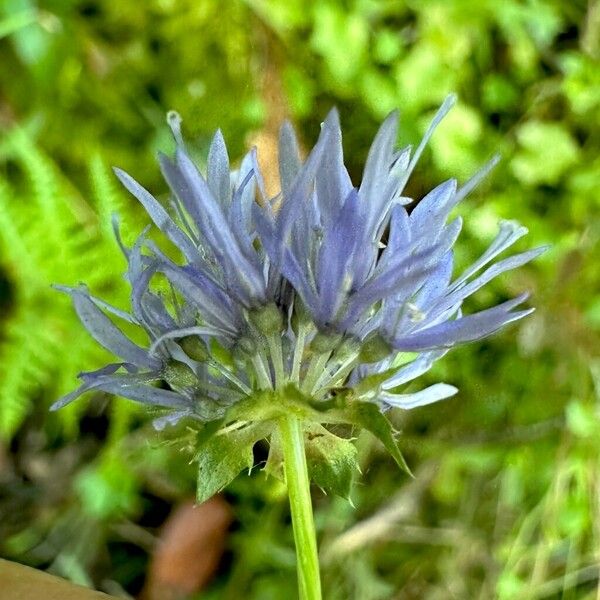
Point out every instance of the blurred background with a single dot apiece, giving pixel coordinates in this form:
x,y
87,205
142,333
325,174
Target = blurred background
x,y
506,499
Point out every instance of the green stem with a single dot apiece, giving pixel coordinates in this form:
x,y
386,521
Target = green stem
x,y
276,350
264,379
298,352
296,475
315,370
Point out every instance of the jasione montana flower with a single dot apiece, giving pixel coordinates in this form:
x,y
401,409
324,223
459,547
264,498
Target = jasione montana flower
x,y
325,287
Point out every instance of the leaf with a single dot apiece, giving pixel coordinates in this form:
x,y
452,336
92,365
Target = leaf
x,y
331,460
75,246
222,456
19,581
379,93
546,152
368,416
108,489
207,431
274,464
456,147
341,37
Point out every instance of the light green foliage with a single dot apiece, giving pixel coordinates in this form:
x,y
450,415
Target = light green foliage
x,y
546,153
49,234
108,490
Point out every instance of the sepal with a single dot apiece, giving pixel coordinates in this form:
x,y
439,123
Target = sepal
x,y
332,460
223,455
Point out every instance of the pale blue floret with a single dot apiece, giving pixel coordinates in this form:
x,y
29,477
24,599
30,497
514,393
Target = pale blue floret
x,y
348,264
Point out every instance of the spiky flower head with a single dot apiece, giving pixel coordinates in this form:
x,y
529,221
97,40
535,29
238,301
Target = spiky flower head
x,y
324,300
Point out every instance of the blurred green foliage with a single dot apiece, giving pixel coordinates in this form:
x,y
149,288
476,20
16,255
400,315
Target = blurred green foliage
x,y
505,501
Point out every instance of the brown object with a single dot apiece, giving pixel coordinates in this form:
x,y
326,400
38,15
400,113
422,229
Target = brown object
x,y
18,582
267,139
189,549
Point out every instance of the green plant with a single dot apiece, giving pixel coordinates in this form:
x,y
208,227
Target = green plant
x,y
46,230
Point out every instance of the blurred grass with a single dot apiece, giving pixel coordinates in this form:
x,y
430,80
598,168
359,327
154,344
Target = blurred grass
x,y
506,498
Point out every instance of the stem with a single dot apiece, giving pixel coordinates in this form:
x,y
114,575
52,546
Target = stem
x,y
327,381
315,370
230,376
296,475
298,352
274,342
264,379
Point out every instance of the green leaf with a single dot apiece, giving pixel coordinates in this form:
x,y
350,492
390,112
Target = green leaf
x,y
331,460
207,431
16,21
222,456
379,92
274,464
368,416
109,489
457,145
387,46
546,152
582,420
341,38
300,90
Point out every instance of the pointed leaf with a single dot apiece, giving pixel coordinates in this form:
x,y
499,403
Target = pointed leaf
x,y
331,460
221,458
367,415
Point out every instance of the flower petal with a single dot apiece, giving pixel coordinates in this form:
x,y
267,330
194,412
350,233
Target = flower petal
x,y
145,394
434,393
216,230
90,381
413,369
105,332
510,232
431,212
512,262
159,215
289,157
218,177
332,182
465,329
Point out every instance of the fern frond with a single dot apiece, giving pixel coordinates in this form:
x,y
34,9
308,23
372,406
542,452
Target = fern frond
x,y
110,200
27,359
49,234
15,251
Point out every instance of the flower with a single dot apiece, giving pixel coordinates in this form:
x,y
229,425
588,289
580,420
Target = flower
x,y
324,287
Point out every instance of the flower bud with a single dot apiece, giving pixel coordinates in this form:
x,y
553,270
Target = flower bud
x,y
325,342
267,319
245,346
194,348
348,347
179,375
374,349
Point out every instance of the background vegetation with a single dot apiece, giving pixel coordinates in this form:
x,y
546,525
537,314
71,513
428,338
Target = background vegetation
x,y
506,500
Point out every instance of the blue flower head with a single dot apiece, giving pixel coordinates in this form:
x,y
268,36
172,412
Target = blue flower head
x,y
325,287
